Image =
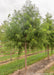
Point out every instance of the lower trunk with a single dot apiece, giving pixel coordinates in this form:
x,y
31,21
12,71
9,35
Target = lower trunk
x,y
25,58
11,55
48,51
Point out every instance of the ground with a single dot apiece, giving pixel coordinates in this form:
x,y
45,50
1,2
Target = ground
x,y
37,68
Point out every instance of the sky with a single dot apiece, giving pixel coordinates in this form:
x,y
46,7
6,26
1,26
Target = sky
x,y
8,6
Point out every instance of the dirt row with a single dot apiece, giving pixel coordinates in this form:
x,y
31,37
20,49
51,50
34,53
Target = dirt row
x,y
37,68
10,60
16,53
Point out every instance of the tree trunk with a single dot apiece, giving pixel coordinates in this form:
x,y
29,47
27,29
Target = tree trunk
x,y
45,51
48,51
11,55
25,58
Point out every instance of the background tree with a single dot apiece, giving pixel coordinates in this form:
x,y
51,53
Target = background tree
x,y
47,27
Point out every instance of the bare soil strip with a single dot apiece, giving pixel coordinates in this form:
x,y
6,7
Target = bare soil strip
x,y
46,67
17,53
10,60
1,55
37,68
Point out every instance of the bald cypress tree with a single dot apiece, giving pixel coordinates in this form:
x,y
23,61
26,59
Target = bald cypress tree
x,y
23,26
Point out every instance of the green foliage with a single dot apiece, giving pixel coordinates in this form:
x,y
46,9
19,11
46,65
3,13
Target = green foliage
x,y
23,26
47,28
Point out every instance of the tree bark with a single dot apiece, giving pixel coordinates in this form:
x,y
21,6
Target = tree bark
x,y
48,51
25,58
45,51
10,55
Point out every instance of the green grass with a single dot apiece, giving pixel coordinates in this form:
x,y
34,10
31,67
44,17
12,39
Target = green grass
x,y
8,57
51,69
19,64
15,55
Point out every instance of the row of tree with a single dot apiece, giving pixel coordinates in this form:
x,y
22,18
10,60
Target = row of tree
x,y
26,28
